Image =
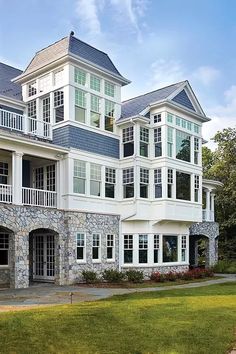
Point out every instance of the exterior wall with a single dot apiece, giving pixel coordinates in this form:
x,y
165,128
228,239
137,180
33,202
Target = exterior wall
x,y
147,271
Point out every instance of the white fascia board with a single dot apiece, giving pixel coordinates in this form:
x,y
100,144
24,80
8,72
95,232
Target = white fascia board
x,y
132,119
93,157
211,182
13,101
121,79
27,141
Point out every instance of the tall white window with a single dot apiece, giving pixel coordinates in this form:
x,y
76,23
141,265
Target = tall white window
x,y
109,89
3,172
95,83
183,248
110,181
144,182
128,141
95,111
128,248
143,249
196,188
144,140
158,183
96,250
51,178
46,115
170,141
109,115
95,179
32,89
4,249
170,183
128,183
110,247
157,142
170,118
32,114
80,251
80,76
80,105
79,176
59,106
196,150
156,249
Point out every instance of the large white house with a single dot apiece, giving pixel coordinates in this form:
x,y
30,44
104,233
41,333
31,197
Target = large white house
x,y
90,182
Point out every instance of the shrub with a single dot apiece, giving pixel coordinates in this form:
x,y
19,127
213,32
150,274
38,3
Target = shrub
x,y
112,275
89,276
171,276
134,276
157,276
225,266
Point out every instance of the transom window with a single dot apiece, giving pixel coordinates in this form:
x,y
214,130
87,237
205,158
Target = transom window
x,y
3,173
79,178
157,142
156,246
128,248
32,89
109,115
80,76
110,247
144,139
95,179
95,83
96,251
143,248
144,181
80,105
59,106
80,238
128,141
4,249
157,118
128,183
110,180
109,89
158,183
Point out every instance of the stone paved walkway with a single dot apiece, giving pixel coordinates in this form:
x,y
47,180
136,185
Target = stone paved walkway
x,y
50,294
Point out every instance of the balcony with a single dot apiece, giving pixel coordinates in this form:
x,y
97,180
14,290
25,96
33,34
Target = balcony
x,y
5,193
21,123
208,215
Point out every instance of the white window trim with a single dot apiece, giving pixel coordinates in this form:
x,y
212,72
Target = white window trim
x,y
85,247
6,266
99,260
111,260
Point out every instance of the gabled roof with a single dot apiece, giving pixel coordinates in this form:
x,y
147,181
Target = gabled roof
x,y
8,88
136,105
180,94
71,45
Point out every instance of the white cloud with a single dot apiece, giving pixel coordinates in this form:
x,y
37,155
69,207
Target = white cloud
x,y
87,12
206,74
165,72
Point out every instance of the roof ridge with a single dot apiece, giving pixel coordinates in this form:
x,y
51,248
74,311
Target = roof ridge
x,y
91,46
147,93
10,66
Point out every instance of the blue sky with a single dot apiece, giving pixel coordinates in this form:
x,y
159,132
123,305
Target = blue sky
x,y
152,42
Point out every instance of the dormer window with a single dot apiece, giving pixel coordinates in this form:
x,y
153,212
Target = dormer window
x,y
32,89
157,118
128,141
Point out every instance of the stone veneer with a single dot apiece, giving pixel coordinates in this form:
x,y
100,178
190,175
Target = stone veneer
x,y
147,271
21,220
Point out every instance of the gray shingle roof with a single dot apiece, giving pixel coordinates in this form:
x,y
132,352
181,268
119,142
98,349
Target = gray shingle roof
x,y
8,88
136,105
74,46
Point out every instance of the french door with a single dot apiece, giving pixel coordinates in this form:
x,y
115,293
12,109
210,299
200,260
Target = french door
x,y
44,257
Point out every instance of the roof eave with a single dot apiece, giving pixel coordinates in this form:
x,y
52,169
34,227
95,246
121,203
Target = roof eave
x,y
136,118
13,100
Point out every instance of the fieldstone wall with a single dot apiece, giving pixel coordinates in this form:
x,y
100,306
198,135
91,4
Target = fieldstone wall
x,y
5,276
211,231
147,271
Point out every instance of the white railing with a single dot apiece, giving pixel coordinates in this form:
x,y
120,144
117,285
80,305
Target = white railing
x,y
5,193
39,197
24,124
208,215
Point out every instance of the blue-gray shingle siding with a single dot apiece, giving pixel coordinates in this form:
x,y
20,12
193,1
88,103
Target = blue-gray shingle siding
x,y
83,139
182,98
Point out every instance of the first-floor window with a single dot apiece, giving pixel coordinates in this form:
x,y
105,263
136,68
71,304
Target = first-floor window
x,y
143,248
3,172
170,248
110,247
79,176
96,247
110,181
183,248
196,188
4,249
156,249
128,183
128,248
158,183
80,246
144,181
170,183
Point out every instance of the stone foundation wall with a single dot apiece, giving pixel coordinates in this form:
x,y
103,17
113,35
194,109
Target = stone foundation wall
x,y
5,276
147,271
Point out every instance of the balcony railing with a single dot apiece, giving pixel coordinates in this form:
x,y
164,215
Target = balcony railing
x,y
24,124
39,197
5,193
208,215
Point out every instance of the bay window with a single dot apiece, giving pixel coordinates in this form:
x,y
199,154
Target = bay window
x,y
128,141
144,182
110,181
128,183
95,179
144,139
80,105
128,248
170,248
79,178
95,111
157,142
183,146
158,183
109,115
143,248
183,186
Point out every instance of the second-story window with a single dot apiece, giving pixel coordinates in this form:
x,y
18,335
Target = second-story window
x,y
128,141
95,179
170,183
59,106
80,105
144,182
183,186
80,76
170,141
110,181
3,173
158,142
157,118
183,146
128,183
32,89
32,114
79,178
196,188
95,111
196,150
144,140
95,83
109,89
158,183
109,115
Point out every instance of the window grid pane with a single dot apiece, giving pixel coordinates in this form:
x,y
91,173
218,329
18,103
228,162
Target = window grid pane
x,y
156,242
96,240
157,118
109,89
157,176
110,175
109,108
143,241
128,134
170,176
95,172
32,90
144,134
80,76
95,104
79,169
80,98
144,175
128,175
58,98
157,135
128,242
95,83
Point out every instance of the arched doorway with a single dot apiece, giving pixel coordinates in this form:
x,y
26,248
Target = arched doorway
x,y
198,251
42,255
6,256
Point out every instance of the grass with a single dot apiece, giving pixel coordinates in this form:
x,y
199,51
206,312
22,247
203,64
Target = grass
x,y
186,321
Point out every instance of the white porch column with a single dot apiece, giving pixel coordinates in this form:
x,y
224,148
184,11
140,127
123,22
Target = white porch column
x,y
212,207
208,195
17,177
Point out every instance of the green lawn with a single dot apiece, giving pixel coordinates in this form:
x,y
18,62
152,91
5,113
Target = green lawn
x,y
186,321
